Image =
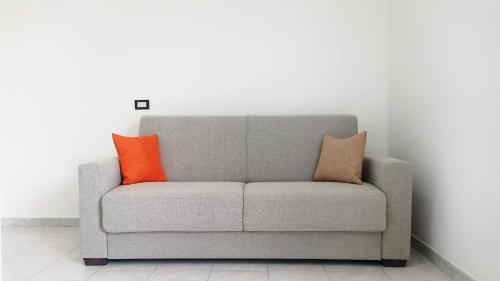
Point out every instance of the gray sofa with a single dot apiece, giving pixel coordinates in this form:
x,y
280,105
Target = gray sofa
x,y
240,188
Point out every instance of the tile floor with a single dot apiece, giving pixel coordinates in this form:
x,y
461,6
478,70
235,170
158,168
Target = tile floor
x,y
52,254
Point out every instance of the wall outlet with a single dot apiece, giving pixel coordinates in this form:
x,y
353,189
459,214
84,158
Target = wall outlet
x,y
141,104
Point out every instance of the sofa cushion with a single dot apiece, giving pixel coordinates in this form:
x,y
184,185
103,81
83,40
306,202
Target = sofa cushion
x,y
174,206
139,158
313,206
341,159
287,148
200,148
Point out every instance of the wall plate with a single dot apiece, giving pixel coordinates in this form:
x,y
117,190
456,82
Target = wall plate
x,y
141,104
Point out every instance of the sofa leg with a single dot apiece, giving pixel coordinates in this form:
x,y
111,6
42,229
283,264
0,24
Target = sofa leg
x,y
95,261
393,263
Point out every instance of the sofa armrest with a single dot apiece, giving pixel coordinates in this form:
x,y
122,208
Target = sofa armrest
x,y
95,179
394,178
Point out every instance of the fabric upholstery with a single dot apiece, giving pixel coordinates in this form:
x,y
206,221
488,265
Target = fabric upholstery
x,y
341,160
174,206
394,178
286,148
213,149
200,148
139,158
250,245
94,180
313,206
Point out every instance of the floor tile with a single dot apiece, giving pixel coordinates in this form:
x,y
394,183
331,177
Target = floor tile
x,y
16,274
33,263
373,274
351,266
297,272
182,271
238,275
240,265
68,268
294,265
121,275
126,270
28,250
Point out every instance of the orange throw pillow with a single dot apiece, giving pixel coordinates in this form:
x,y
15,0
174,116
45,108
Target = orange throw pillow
x,y
139,158
341,159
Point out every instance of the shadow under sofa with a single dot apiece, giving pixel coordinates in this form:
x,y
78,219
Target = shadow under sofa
x,y
240,187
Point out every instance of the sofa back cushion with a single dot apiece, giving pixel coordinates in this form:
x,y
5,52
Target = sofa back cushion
x,y
287,148
244,148
200,148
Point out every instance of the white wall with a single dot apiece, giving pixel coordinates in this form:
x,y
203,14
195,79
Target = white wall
x,y
69,71
444,117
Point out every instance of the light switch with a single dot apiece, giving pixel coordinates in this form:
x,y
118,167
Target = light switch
x,y
141,104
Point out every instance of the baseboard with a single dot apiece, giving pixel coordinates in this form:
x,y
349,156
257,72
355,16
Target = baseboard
x,y
68,222
446,266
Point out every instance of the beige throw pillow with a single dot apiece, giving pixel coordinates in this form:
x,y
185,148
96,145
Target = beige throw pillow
x,y
341,159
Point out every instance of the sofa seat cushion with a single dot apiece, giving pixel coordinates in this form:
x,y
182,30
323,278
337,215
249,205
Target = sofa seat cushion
x,y
174,206
313,206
